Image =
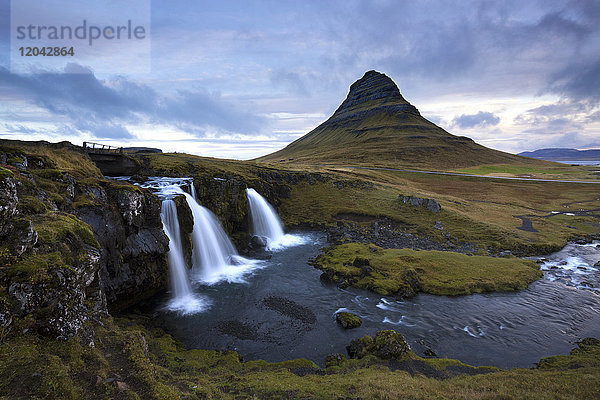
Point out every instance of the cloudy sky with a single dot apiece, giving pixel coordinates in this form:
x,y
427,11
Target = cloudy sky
x,y
240,79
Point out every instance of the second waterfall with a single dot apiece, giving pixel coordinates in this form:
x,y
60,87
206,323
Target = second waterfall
x,y
266,224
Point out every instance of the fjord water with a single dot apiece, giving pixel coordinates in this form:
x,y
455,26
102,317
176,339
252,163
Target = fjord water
x,y
284,311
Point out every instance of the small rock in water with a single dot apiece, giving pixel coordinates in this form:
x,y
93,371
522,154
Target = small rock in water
x,y
348,320
258,242
429,353
563,263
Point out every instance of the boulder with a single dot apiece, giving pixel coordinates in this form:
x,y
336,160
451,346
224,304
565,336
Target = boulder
x,y
387,345
258,242
348,320
414,201
334,360
364,264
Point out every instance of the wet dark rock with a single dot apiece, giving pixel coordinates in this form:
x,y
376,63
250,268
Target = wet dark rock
x,y
364,264
563,263
429,353
348,320
129,229
258,242
186,226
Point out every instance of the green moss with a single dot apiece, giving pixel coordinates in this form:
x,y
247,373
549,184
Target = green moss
x,y
57,227
394,271
348,320
154,366
15,160
84,200
31,205
34,267
5,173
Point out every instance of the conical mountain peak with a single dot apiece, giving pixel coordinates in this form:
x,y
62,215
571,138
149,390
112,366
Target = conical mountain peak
x,y
376,126
375,92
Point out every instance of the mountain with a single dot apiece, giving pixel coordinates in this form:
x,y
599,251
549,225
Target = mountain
x,y
562,154
376,126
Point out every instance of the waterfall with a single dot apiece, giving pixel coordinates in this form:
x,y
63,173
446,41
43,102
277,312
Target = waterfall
x,y
214,258
266,223
180,286
183,299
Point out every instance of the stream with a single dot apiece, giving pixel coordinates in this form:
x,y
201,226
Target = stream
x,y
281,310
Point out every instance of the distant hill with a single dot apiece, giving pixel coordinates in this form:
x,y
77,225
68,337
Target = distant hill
x,y
142,150
563,154
376,126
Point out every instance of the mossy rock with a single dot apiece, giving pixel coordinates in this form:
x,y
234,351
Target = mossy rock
x,y
348,320
387,345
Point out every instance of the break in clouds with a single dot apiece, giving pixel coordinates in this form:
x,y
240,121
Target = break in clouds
x,y
103,108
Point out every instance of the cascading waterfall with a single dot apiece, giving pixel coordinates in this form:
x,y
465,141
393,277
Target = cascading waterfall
x,y
214,258
267,224
265,221
183,299
180,285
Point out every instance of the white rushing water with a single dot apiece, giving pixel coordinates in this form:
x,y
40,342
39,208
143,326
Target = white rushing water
x,y
183,299
214,258
576,265
266,223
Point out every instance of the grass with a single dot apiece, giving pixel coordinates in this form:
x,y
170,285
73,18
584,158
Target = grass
x,y
132,361
475,210
394,271
64,159
557,171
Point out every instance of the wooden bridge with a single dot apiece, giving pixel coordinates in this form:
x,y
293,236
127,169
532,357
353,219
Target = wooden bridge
x,y
111,160
99,148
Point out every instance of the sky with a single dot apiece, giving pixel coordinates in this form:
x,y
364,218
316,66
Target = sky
x,y
240,79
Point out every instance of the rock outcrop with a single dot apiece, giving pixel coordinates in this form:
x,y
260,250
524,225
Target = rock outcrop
x,y
387,345
72,244
128,227
414,201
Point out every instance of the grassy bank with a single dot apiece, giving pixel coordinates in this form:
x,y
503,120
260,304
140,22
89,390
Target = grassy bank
x,y
129,361
405,271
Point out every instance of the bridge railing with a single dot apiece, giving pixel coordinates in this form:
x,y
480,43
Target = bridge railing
x,y
91,147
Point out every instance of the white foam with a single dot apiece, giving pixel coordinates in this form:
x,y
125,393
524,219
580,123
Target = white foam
x,y
188,305
287,240
401,321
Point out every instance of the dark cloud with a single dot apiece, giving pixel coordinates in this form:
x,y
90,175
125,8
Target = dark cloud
x,y
578,81
480,120
103,107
